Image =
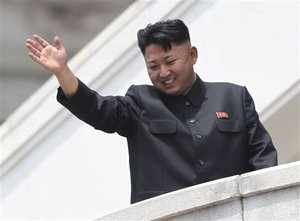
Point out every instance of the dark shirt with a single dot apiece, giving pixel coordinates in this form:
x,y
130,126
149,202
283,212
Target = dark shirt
x,y
179,141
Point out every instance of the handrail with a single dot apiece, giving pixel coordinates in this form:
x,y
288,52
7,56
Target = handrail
x,y
215,194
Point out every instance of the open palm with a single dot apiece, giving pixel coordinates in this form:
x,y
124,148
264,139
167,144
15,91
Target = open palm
x,y
51,58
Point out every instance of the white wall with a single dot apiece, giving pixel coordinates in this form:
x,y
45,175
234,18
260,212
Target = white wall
x,y
75,172
252,43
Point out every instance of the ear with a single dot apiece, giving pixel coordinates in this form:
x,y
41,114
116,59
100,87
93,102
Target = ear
x,y
193,54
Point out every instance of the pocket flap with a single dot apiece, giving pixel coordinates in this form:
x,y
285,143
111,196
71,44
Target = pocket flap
x,y
162,126
228,125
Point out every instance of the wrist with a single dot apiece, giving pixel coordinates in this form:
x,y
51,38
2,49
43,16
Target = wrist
x,y
63,71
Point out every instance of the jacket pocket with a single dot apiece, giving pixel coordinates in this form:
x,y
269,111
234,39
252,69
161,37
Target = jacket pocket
x,y
162,126
228,126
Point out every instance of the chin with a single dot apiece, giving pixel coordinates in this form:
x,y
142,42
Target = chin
x,y
174,91
171,92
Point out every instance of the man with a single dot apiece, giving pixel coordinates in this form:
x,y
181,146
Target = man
x,y
181,131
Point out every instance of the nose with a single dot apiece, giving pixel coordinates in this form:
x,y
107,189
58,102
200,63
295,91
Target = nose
x,y
164,72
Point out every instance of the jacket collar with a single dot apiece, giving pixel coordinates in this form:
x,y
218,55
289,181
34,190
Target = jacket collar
x,y
195,96
197,92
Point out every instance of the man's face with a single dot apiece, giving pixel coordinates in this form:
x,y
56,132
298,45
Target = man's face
x,y
171,71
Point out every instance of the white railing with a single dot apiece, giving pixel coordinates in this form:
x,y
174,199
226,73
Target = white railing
x,y
268,194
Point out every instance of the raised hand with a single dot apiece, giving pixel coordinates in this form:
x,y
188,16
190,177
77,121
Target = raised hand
x,y
52,58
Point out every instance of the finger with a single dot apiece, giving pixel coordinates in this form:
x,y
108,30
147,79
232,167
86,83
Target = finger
x,y
40,40
34,57
33,50
34,44
58,43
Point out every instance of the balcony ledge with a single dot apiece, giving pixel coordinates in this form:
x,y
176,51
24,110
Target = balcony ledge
x,y
268,194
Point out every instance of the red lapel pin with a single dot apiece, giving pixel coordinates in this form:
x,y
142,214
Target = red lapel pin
x,y
222,115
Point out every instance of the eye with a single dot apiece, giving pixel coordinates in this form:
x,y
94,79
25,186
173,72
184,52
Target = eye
x,y
171,62
153,68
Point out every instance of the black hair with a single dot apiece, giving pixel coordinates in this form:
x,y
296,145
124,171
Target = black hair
x,y
163,33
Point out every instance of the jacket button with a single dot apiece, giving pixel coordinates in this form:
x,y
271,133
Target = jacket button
x,y
187,103
198,136
201,162
192,121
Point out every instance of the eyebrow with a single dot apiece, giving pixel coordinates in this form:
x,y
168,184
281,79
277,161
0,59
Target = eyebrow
x,y
153,61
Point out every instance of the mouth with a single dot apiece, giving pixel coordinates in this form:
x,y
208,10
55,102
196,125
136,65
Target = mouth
x,y
168,82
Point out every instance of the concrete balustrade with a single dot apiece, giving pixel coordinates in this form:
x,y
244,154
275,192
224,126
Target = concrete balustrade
x,y
268,194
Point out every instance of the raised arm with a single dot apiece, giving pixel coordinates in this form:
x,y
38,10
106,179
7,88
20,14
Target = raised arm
x,y
53,59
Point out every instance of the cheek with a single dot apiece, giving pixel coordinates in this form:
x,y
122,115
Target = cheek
x,y
178,68
153,75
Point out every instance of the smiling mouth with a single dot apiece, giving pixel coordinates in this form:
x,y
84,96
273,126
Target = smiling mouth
x,y
169,81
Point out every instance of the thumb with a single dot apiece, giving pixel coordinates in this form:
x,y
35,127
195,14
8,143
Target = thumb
x,y
58,43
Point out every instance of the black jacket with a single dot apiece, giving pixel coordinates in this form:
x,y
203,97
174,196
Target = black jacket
x,y
176,142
